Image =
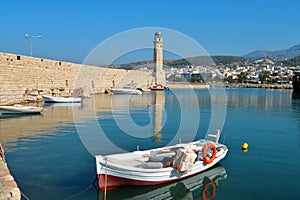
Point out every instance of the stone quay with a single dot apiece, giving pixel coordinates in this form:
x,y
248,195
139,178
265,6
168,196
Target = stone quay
x,y
8,187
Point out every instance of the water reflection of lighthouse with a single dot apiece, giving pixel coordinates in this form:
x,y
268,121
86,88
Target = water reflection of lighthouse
x,y
158,108
158,96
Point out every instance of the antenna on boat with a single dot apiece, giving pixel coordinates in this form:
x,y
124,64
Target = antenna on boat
x,y
137,147
179,141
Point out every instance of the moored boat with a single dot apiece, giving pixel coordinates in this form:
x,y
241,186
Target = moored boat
x,y
157,166
20,109
143,89
126,91
52,99
158,87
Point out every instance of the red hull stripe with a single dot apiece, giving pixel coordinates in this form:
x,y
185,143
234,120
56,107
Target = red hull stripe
x,y
114,181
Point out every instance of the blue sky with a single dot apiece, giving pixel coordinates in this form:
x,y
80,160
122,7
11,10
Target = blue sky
x,y
71,29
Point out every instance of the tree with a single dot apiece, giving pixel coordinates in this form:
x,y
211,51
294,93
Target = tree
x,y
242,77
264,76
218,78
229,79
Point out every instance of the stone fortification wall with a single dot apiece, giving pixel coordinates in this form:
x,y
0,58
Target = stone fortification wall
x,y
25,78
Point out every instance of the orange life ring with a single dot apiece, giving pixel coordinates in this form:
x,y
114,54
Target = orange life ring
x,y
205,149
213,192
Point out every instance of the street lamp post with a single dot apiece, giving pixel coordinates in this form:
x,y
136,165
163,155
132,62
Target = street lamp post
x,y
27,36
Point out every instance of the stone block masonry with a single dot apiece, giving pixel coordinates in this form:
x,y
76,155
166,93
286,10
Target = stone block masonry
x,y
8,186
24,76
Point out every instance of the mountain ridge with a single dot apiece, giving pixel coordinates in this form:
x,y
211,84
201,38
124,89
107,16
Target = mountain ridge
x,y
276,55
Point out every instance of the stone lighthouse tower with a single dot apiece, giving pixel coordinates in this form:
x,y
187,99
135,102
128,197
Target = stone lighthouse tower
x,y
158,60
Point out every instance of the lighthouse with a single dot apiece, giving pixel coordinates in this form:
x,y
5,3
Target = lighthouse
x,y
160,80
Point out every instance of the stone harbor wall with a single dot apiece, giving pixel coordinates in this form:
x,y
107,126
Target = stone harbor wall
x,y
24,78
8,186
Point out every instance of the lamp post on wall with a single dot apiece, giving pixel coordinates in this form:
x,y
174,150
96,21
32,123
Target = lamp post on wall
x,y
27,36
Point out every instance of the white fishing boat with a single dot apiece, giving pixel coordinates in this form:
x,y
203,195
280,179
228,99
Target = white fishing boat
x,y
61,99
143,89
158,87
157,166
20,109
126,91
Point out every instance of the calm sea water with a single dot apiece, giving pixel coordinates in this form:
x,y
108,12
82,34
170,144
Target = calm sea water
x,y
51,155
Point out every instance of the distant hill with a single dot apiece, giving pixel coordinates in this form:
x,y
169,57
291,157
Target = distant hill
x,y
137,65
179,63
205,60
292,61
277,55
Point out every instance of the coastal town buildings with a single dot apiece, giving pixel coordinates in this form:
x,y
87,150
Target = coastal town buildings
x,y
247,72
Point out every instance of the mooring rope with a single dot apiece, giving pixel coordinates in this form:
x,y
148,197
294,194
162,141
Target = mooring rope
x,y
79,193
105,181
24,195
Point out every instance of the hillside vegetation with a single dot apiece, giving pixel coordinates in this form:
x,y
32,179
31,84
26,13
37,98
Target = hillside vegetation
x,y
292,62
206,61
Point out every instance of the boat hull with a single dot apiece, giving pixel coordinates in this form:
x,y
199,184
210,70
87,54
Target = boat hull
x,y
126,91
51,99
109,182
158,87
20,110
171,190
113,182
112,174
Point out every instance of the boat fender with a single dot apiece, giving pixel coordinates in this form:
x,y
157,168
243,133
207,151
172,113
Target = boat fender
x,y
205,149
245,146
204,190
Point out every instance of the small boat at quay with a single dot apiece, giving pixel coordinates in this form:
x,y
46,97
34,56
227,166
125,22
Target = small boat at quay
x,y
158,87
143,89
157,166
20,109
126,91
51,99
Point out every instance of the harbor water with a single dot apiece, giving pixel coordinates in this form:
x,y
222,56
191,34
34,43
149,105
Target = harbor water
x,y
51,156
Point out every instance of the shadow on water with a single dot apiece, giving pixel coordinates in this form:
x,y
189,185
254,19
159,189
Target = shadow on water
x,y
202,185
296,109
296,95
25,116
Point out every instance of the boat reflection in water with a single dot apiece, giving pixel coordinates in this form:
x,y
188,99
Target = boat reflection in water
x,y
203,185
48,104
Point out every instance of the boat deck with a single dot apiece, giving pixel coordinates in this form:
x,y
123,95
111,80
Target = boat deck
x,y
129,159
151,159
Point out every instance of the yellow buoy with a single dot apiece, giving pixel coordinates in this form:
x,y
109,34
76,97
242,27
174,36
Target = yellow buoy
x,y
245,147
